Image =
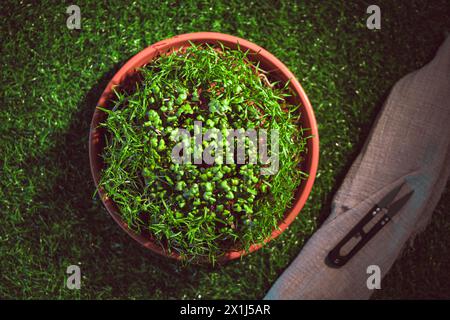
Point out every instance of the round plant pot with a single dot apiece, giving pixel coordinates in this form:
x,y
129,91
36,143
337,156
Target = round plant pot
x,y
277,70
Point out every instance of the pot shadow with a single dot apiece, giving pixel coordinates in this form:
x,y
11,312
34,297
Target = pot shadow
x,y
110,260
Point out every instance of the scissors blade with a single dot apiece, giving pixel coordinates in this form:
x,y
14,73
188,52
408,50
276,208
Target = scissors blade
x,y
395,207
387,200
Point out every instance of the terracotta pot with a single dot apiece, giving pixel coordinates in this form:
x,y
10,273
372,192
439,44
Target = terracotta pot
x,y
269,63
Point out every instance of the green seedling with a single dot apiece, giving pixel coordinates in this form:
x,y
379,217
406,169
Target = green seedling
x,y
201,211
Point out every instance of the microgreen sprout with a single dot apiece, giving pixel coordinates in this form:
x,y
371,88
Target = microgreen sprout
x,y
200,210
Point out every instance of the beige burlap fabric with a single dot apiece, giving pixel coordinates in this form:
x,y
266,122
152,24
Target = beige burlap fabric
x,y
408,143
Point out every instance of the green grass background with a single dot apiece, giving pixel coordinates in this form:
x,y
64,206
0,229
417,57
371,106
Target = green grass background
x,y
51,78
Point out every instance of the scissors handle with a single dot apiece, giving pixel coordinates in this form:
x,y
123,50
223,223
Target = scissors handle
x,y
358,236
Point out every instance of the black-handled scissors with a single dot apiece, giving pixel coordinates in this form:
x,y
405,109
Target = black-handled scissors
x,y
367,227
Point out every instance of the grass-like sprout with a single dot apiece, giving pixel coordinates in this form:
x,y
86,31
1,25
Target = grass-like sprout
x,y
200,210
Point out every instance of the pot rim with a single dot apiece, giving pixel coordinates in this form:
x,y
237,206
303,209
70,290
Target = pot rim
x,y
148,54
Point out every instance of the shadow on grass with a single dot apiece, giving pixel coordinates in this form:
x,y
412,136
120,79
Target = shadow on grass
x,y
112,262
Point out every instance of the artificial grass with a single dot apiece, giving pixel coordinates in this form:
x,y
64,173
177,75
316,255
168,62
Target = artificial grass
x,y
52,78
